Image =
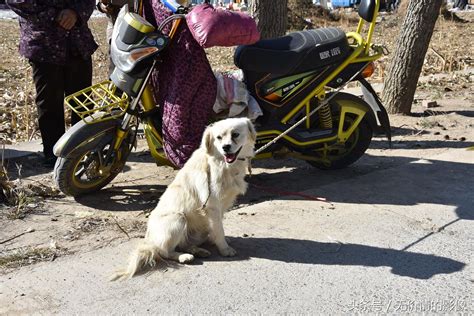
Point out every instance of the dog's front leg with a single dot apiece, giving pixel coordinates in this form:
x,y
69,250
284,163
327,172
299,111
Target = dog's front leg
x,y
217,233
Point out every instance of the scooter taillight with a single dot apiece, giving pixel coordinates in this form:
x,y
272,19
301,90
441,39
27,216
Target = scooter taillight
x,y
368,70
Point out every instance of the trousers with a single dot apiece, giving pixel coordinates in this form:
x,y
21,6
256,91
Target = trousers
x,y
54,82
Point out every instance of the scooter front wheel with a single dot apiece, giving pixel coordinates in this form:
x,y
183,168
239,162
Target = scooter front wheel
x,y
89,169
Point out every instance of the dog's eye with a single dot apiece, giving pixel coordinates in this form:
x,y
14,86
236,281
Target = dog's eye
x,y
235,135
219,137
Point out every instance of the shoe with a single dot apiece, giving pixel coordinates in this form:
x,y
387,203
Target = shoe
x,y
49,162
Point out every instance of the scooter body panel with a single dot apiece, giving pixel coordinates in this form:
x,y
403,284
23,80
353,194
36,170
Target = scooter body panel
x,y
302,139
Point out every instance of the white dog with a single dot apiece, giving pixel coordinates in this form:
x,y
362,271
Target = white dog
x,y
191,209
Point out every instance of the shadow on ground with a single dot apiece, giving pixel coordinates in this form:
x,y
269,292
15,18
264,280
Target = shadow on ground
x,y
402,263
428,181
124,198
25,166
30,165
417,144
427,113
421,181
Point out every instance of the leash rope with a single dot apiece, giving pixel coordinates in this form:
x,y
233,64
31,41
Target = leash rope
x,y
202,209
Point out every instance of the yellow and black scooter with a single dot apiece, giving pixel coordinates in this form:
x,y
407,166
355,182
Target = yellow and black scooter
x,y
296,79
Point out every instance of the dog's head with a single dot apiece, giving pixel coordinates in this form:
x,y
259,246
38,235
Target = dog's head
x,y
230,139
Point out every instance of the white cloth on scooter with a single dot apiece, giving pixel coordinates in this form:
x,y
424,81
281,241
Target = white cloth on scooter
x,y
234,98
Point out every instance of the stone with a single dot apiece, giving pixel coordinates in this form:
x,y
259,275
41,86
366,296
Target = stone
x,y
429,104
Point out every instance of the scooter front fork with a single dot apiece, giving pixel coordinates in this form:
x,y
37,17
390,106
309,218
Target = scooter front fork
x,y
147,101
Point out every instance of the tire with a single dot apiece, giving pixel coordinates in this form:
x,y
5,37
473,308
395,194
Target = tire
x,y
353,149
78,173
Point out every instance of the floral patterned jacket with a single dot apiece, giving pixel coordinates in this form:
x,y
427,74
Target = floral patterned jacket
x,y
43,40
185,88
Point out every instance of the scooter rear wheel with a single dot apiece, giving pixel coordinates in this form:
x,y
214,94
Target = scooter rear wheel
x,y
339,156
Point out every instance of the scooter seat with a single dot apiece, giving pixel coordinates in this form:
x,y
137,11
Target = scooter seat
x,y
294,53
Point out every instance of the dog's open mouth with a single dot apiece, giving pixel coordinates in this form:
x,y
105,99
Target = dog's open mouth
x,y
230,158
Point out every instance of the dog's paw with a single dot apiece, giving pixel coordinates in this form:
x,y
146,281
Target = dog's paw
x,y
202,253
198,252
227,252
185,258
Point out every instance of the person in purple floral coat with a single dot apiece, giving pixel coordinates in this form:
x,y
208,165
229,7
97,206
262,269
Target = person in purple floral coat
x,y
55,38
185,87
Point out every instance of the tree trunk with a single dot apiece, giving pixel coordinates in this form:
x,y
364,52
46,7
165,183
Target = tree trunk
x,y
411,48
271,16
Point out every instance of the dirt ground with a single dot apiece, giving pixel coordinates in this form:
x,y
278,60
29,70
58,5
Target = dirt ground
x,y
46,224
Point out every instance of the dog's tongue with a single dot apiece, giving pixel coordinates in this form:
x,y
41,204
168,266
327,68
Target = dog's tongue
x,y
230,158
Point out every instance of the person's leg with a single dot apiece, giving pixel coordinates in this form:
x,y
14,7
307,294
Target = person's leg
x,y
78,76
49,102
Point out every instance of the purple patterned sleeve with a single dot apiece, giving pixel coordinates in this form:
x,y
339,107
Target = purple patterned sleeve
x,y
32,11
41,37
83,9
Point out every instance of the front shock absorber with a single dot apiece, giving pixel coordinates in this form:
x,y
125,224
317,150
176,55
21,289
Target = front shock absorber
x,y
325,117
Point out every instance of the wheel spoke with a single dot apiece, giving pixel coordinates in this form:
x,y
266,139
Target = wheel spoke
x,y
101,158
85,168
81,172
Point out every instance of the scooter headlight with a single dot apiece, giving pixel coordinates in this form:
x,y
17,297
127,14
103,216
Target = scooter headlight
x,y
129,32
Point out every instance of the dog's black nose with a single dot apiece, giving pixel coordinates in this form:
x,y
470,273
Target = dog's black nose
x,y
226,148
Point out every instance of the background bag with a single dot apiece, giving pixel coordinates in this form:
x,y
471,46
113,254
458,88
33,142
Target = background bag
x,y
216,27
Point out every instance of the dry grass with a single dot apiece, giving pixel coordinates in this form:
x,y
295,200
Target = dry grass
x,y
14,197
20,199
29,255
88,226
95,224
428,123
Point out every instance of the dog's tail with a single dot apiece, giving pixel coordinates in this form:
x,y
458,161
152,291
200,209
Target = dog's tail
x,y
145,255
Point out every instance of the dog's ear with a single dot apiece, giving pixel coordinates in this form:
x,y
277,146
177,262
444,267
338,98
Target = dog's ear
x,y
207,139
252,132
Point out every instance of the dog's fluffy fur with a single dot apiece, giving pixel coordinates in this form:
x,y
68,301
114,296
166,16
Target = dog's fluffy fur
x,y
191,209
